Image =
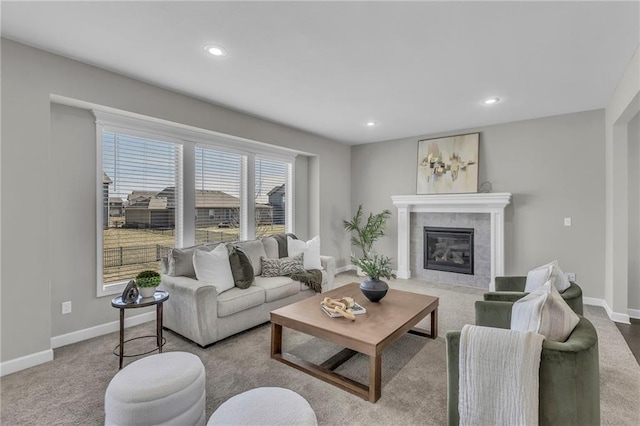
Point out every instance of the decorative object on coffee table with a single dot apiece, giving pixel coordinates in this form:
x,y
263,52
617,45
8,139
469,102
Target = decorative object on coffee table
x,y
370,264
375,267
147,281
339,306
448,165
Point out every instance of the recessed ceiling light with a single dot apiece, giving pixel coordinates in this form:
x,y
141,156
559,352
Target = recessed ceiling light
x,y
216,50
491,101
371,123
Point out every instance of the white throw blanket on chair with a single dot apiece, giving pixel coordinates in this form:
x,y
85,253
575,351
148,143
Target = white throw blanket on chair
x,y
499,376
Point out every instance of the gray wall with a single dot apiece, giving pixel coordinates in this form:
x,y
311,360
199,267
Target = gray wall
x,y
634,213
553,166
32,279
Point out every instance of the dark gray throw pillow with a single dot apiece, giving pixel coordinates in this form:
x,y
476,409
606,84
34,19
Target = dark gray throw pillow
x,y
241,268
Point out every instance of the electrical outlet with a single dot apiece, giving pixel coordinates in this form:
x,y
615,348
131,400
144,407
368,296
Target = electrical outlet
x,y
567,221
571,276
66,308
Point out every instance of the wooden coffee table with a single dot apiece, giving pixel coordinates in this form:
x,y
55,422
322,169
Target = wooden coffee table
x,y
384,323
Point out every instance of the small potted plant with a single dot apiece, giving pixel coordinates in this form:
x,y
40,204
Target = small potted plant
x,y
147,281
374,266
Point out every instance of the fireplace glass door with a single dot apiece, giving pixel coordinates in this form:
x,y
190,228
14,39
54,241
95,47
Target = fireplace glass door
x,y
448,249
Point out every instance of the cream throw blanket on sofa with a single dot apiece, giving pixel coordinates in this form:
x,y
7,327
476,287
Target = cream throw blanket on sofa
x,y
499,376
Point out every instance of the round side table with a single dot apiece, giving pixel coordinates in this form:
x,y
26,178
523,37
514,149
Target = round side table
x,y
158,299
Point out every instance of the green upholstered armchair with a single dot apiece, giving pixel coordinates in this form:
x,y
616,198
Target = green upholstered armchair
x,y
569,371
510,289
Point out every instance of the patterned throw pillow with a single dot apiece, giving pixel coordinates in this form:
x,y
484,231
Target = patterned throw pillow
x,y
270,267
292,265
282,267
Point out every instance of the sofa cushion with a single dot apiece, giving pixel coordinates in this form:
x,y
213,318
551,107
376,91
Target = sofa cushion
x,y
271,247
181,261
255,250
311,250
241,268
276,288
213,267
236,300
545,312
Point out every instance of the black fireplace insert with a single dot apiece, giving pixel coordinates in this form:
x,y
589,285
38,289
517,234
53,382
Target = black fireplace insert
x,y
449,249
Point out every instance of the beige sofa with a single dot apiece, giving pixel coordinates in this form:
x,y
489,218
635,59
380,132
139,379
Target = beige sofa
x,y
196,311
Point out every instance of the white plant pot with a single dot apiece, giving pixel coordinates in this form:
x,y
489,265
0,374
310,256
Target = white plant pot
x,y
147,291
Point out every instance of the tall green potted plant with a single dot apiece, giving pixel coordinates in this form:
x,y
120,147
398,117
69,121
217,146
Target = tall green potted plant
x,y
372,265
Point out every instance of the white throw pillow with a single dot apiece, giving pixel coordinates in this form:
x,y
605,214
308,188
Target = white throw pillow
x,y
310,249
549,272
562,282
545,312
537,277
214,267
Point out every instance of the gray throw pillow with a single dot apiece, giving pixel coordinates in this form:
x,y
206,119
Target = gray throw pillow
x,y
241,268
181,261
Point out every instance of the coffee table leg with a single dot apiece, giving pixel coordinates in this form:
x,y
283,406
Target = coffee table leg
x,y
121,336
276,339
434,323
375,377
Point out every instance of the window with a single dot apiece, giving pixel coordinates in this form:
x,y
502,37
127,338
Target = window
x,y
270,196
163,186
217,195
139,204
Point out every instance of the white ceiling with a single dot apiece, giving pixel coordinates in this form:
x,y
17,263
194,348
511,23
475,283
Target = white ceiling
x,y
328,67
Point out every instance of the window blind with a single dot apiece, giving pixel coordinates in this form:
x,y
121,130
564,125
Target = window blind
x,y
141,183
270,196
218,192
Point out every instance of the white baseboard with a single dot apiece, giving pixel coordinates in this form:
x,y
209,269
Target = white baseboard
x,y
345,269
25,362
99,330
614,316
634,313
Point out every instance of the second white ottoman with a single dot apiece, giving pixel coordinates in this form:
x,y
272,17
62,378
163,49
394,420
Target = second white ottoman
x,y
167,388
265,406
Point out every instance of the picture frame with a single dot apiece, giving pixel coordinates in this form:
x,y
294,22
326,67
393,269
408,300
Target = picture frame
x,y
448,165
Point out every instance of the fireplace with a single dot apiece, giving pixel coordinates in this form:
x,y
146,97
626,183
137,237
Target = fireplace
x,y
448,249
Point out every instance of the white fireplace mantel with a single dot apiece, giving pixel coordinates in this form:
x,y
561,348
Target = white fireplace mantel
x,y
491,203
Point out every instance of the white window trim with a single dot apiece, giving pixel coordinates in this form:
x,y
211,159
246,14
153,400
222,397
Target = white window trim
x,y
188,137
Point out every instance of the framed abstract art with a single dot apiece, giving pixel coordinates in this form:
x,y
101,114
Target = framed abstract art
x,y
448,165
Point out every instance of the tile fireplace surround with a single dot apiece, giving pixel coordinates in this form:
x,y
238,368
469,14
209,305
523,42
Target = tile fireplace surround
x,y
492,204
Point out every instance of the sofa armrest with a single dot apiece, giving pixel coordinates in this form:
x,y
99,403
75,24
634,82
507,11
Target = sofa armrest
x,y
192,308
329,265
510,283
493,314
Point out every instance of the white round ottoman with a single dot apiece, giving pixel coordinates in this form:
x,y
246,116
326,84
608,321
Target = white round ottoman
x,y
167,388
265,406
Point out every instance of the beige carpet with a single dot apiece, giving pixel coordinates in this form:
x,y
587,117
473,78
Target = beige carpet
x,y
70,389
